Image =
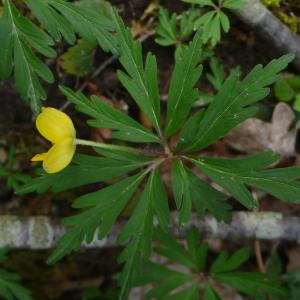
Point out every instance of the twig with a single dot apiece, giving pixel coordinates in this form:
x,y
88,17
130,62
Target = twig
x,y
256,15
259,259
43,233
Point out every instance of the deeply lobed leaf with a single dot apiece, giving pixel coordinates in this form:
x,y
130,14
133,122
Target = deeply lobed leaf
x,y
105,116
231,105
88,169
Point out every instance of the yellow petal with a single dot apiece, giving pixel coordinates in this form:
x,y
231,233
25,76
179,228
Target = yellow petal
x,y
39,157
59,156
55,125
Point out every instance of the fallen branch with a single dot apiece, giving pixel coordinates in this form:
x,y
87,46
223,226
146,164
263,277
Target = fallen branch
x,y
256,15
42,233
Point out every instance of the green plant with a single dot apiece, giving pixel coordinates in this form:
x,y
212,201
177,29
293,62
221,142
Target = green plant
x,y
193,277
95,294
78,60
14,179
287,89
231,105
291,279
10,288
22,40
128,171
207,16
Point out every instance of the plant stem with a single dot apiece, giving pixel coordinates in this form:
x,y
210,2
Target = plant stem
x,y
105,146
259,259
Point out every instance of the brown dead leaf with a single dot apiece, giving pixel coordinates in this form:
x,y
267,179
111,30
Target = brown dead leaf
x,y
255,135
146,22
151,10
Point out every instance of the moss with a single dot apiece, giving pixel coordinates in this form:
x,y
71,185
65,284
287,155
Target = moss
x,y
271,2
285,11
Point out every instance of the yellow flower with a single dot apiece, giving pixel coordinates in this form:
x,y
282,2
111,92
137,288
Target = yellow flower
x,y
58,128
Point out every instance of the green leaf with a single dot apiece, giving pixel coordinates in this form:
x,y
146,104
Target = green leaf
x,y
104,206
224,21
88,169
207,198
224,263
153,272
181,191
89,23
105,116
210,293
283,91
275,265
198,251
123,155
78,60
159,199
138,233
297,103
204,22
213,29
164,289
166,281
189,130
10,288
217,77
200,2
251,283
170,249
294,82
187,22
292,280
166,29
182,92
3,252
140,79
234,174
210,25
234,4
56,24
18,36
189,293
188,187
231,105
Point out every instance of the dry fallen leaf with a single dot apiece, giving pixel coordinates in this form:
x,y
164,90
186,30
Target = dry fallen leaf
x,y
255,135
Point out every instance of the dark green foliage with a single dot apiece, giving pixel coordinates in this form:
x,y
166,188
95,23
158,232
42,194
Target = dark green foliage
x,y
105,116
287,88
14,179
166,30
88,169
104,206
136,171
169,32
214,20
188,188
21,40
182,91
231,105
234,174
16,32
171,284
140,78
10,288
